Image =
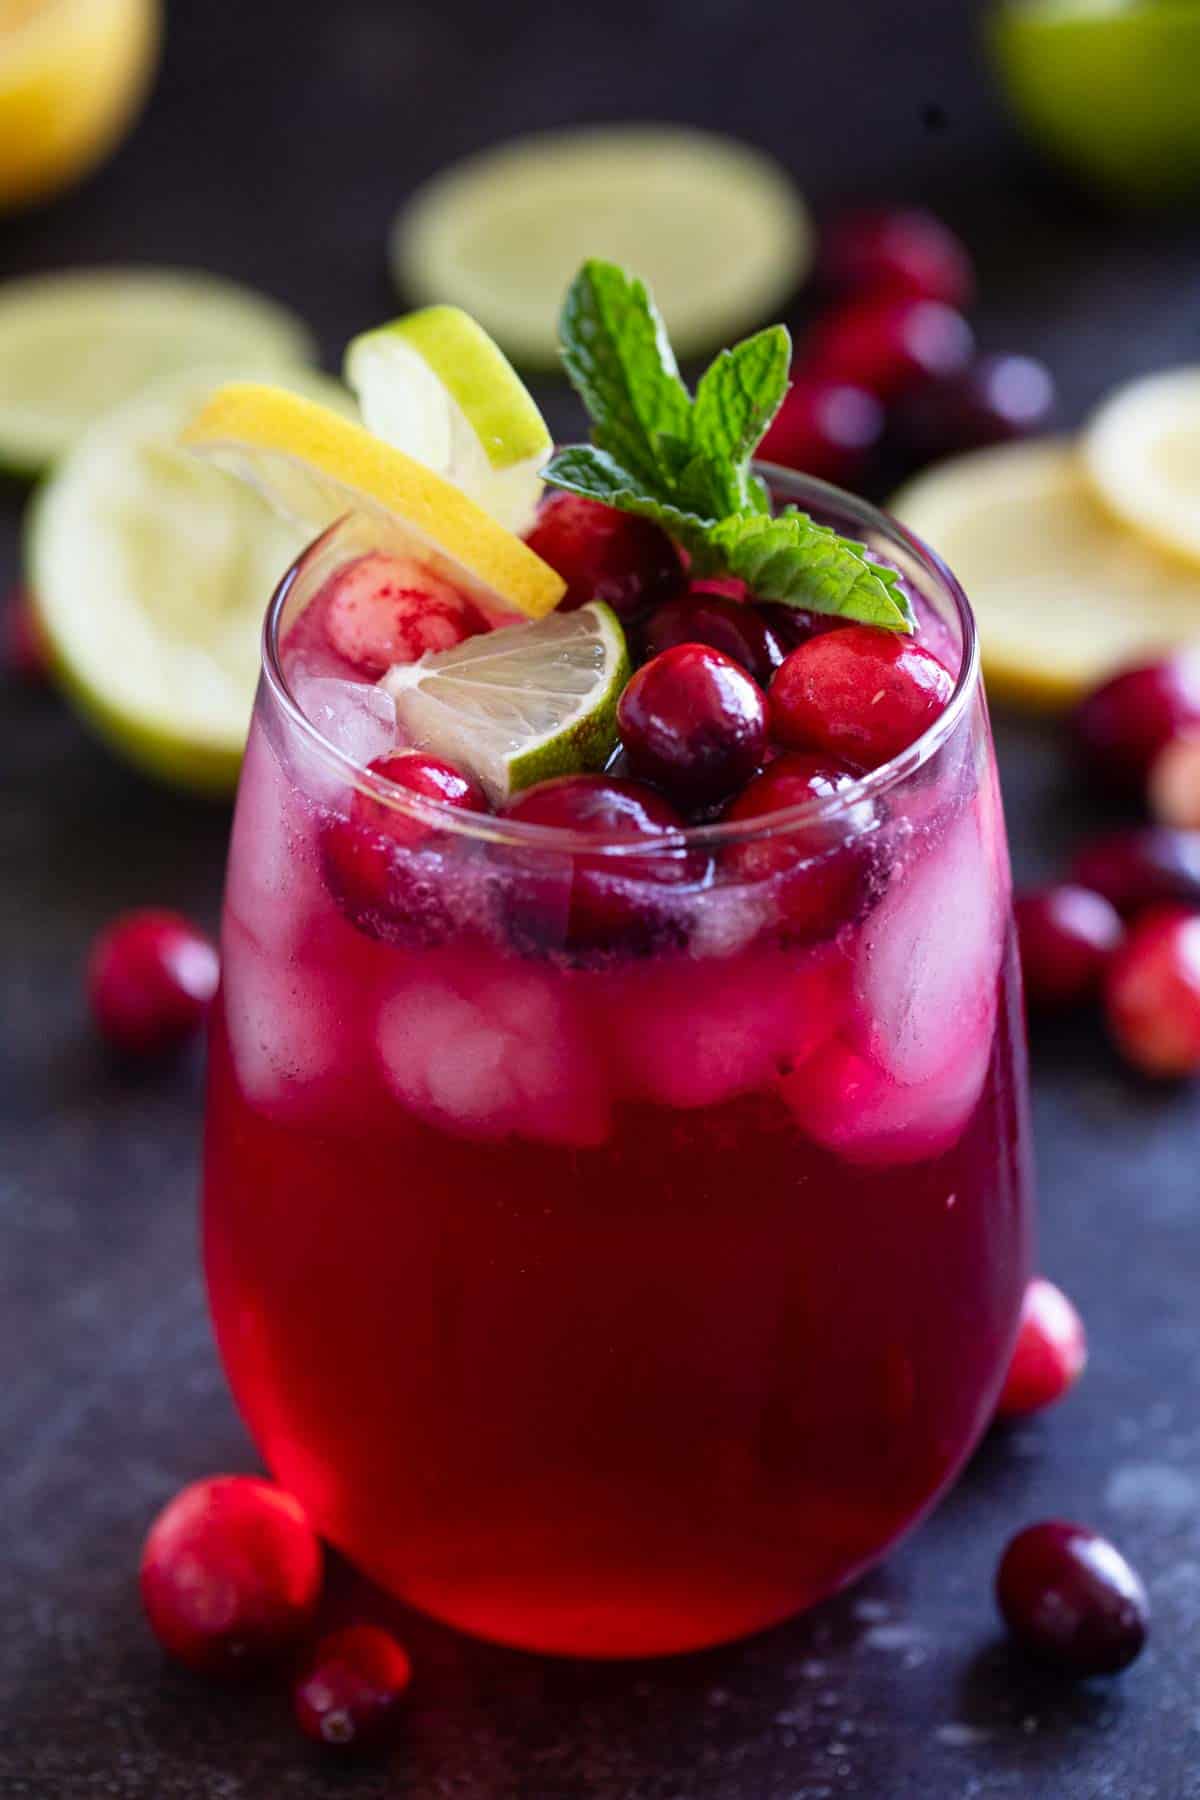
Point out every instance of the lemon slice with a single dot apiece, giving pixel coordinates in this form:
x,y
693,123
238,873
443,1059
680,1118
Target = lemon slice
x,y
520,704
1142,450
150,574
1062,593
716,230
74,346
315,467
435,385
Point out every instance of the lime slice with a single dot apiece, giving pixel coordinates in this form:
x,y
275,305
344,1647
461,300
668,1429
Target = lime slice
x,y
521,704
1142,451
715,229
1109,88
1062,593
74,346
435,385
150,573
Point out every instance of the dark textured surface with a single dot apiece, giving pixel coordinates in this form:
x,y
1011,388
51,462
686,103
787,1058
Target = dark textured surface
x,y
277,144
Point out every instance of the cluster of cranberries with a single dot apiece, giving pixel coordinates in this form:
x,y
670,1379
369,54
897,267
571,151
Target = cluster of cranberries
x,y
231,1581
893,356
1126,926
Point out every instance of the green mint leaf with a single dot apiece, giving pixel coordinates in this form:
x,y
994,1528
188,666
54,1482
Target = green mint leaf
x,y
738,396
598,476
792,559
617,354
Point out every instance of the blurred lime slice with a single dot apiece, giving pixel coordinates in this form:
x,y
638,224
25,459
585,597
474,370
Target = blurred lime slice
x,y
73,346
151,572
1142,451
436,386
1110,87
715,229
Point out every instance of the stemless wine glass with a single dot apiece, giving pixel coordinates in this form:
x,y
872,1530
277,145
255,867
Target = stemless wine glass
x,y
615,1247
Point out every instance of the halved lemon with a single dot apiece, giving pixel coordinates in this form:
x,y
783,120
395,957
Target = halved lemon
x,y
1062,592
314,467
1142,450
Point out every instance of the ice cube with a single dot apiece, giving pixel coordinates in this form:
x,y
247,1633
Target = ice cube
x,y
273,886
356,717
847,1103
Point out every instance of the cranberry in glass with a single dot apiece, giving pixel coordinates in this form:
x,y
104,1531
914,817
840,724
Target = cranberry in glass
x,y
794,625
902,250
347,1698
1070,1599
1144,866
816,870
151,976
994,400
860,693
695,722
827,428
741,631
230,1575
603,554
1152,993
26,654
889,345
1050,1352
1067,935
380,610
1123,724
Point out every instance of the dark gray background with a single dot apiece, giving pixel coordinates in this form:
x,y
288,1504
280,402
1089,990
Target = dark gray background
x,y
276,147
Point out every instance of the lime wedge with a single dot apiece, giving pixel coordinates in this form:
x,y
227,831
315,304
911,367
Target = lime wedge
x,y
72,347
1142,451
314,466
715,229
150,574
435,385
518,705
1062,593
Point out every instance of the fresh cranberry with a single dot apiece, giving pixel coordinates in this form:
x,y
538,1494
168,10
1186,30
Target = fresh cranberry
x,y
816,870
994,400
900,250
380,610
739,630
1123,724
727,586
695,722
26,654
860,693
348,1696
1152,993
1067,935
607,555
827,428
1146,866
794,625
889,345
590,901
1050,1353
230,1575
1070,1599
150,979
1173,783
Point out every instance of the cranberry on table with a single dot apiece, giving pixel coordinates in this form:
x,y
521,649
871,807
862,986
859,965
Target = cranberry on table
x,y
695,722
1067,935
380,610
1152,994
903,250
861,693
1050,1352
151,977
230,1575
1122,725
603,554
1070,1599
889,345
348,1696
1173,782
1140,867
26,654
738,629
826,428
994,400
816,869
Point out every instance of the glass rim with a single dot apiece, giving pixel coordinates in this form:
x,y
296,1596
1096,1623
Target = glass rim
x,y
846,804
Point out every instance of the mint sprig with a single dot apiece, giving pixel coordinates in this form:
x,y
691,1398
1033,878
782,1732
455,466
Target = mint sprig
x,y
686,463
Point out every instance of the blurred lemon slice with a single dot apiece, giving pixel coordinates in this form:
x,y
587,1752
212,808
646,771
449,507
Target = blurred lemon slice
x,y
434,385
314,467
1142,450
716,230
1062,592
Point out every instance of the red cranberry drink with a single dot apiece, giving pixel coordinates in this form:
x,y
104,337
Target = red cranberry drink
x,y
617,1205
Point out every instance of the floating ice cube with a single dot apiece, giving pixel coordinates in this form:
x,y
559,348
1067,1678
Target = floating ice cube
x,y
848,1104
356,717
273,885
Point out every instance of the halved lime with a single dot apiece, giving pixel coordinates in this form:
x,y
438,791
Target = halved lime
x,y
521,704
717,230
73,346
1142,451
150,574
436,386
